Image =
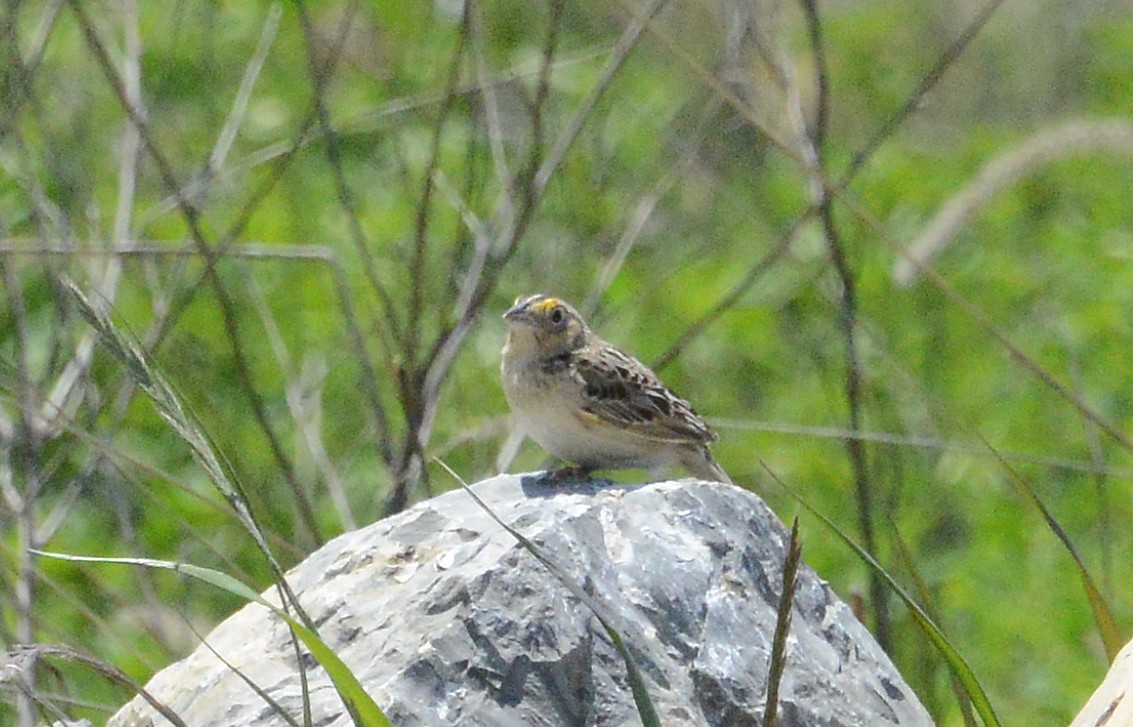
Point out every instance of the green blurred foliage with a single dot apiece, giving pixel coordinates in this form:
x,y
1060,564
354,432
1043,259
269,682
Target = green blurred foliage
x,y
1047,262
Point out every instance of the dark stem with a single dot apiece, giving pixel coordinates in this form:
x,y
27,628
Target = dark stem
x,y
847,317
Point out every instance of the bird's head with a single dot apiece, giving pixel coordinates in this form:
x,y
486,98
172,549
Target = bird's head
x,y
545,325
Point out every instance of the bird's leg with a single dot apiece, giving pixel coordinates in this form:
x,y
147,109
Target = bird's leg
x,y
565,475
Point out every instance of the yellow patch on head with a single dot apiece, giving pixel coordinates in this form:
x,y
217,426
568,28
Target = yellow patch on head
x,y
545,305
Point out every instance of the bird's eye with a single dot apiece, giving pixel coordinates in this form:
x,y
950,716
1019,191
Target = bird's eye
x,y
557,316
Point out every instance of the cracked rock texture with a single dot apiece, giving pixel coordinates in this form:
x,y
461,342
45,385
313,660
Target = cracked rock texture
x,y
446,620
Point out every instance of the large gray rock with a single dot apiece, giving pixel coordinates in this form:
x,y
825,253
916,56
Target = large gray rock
x,y
447,620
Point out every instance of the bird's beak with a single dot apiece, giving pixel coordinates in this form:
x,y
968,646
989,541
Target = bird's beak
x,y
518,313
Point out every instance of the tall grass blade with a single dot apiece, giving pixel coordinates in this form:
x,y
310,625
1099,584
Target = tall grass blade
x,y
168,406
905,559
645,709
959,666
1103,616
360,705
261,692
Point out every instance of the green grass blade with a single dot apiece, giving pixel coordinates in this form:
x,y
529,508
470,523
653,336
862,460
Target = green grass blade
x,y
956,662
260,692
905,559
150,380
645,709
169,407
1103,616
357,701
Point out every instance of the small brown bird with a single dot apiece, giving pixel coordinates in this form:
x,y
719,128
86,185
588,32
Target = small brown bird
x,y
588,403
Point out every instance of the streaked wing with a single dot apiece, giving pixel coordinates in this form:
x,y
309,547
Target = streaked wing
x,y
618,388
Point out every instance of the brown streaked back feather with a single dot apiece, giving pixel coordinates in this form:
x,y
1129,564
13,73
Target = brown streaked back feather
x,y
621,389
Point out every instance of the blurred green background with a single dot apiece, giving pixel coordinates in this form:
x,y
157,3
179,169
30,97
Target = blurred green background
x,y
312,214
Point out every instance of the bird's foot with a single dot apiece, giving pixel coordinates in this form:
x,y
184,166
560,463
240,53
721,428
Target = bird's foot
x,y
567,475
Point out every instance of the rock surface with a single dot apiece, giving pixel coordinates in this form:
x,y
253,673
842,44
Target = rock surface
x,y
1111,705
445,619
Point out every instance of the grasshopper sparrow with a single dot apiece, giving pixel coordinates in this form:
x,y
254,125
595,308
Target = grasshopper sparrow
x,y
588,403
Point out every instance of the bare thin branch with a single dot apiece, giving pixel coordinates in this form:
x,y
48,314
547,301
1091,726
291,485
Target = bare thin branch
x,y
762,266
21,71
22,661
847,320
417,266
248,251
321,77
928,82
192,219
239,108
302,401
641,214
984,322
